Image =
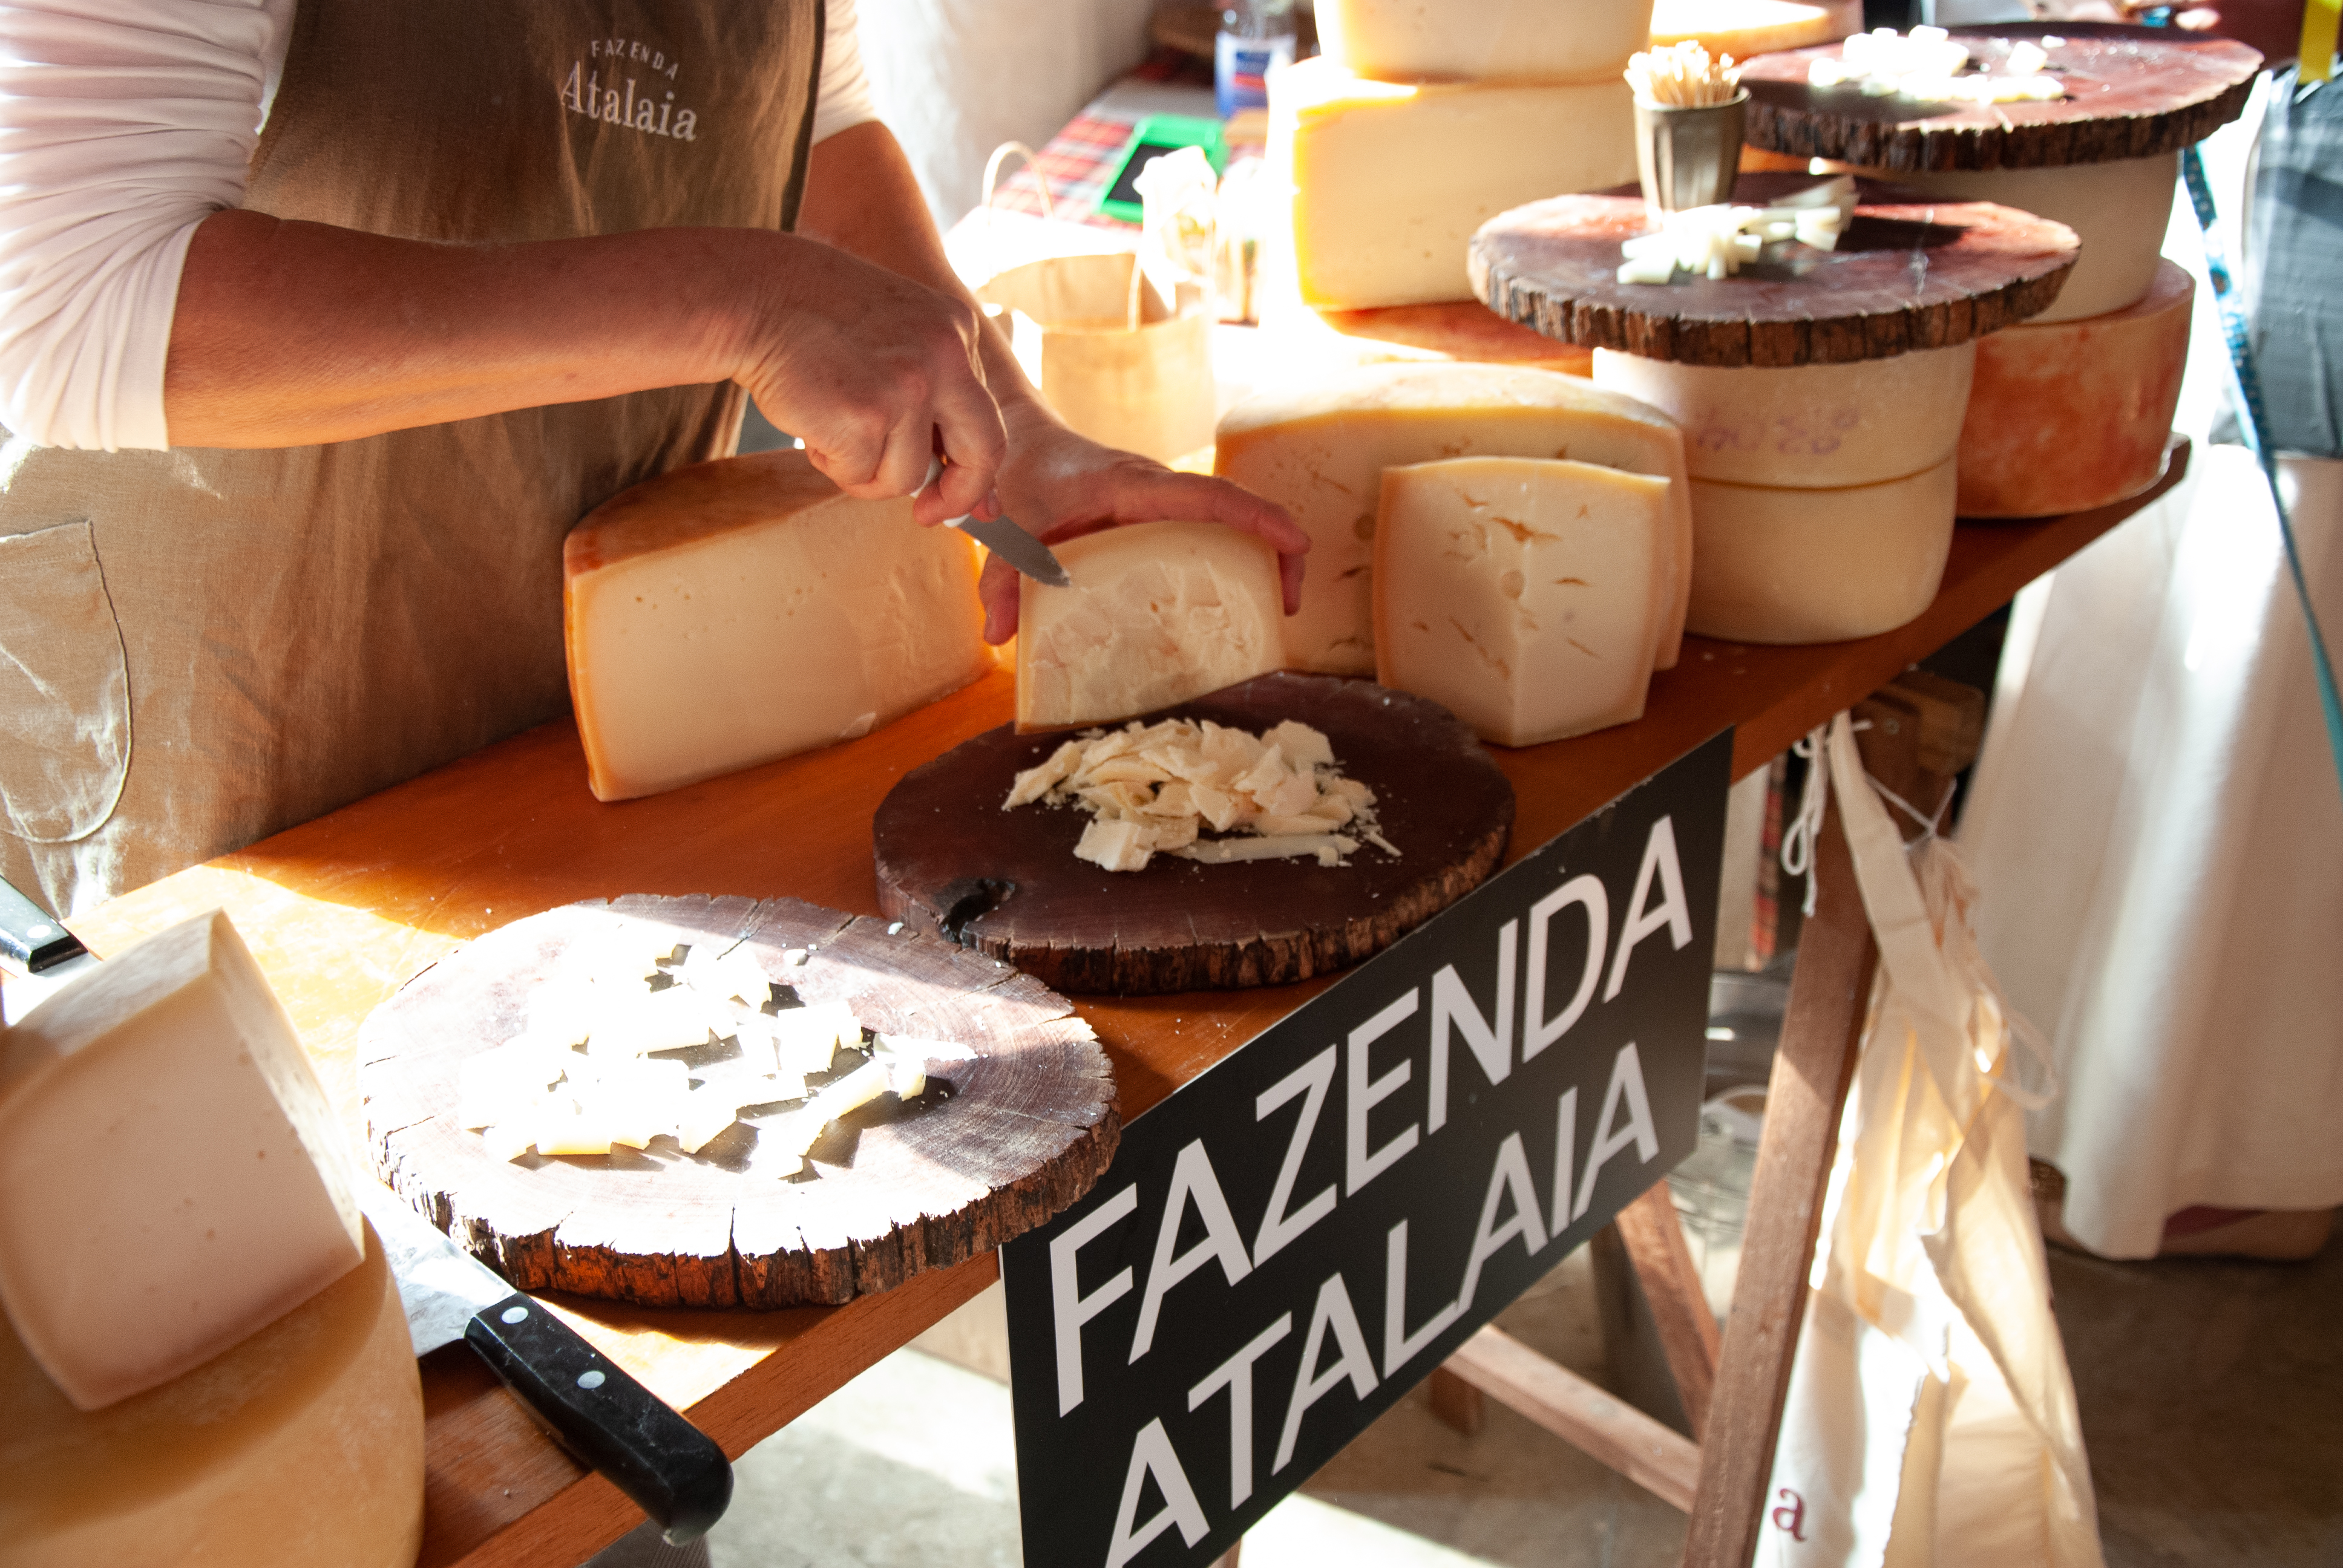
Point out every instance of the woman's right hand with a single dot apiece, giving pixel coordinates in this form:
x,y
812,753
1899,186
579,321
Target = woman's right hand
x,y
869,370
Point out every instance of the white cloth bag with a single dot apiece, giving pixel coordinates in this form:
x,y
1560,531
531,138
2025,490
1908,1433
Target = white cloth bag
x,y
1930,1421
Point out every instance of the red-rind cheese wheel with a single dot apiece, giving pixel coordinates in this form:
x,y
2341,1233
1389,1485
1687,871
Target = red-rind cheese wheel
x,y
2073,415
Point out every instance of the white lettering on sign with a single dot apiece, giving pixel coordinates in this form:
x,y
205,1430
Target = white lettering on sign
x,y
1153,1455
1626,1085
1069,1309
1565,1153
1672,911
1192,1180
1453,1009
1235,1374
1400,1347
1360,1166
1538,1031
1509,1182
1333,1310
1278,1227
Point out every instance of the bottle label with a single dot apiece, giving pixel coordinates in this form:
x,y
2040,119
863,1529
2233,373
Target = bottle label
x,y
1241,68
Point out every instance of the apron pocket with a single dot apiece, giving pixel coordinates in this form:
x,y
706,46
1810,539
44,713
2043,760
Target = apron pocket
x,y
64,687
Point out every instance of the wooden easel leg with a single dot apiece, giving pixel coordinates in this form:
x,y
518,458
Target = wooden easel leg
x,y
1829,994
1457,1403
1229,1559
1656,1245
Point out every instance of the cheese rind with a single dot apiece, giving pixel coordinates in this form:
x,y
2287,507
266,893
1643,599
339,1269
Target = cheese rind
x,y
2118,210
1745,27
1484,40
1319,451
1158,613
173,1178
1806,427
300,1445
1521,593
1388,180
1782,565
745,610
2073,415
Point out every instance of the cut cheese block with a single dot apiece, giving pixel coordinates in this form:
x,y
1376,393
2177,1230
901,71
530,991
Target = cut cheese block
x,y
1484,40
173,1178
1523,594
1158,613
732,612
1745,27
1319,451
1808,426
300,1445
1389,180
2118,210
2076,414
1780,566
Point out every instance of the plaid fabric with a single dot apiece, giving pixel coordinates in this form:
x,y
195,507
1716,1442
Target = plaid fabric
x,y
2297,236
1080,159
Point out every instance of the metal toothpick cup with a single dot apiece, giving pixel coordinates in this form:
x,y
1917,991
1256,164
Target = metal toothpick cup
x,y
1688,157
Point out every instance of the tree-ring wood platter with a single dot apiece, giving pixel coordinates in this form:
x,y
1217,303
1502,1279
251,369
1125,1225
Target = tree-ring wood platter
x,y
2131,93
1000,1145
1909,273
1007,881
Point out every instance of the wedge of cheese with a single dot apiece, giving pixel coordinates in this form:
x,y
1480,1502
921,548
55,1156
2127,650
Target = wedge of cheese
x,y
737,611
1484,40
1319,451
1158,613
1783,565
1806,427
1745,27
300,1444
2072,415
2118,210
1388,180
1523,594
172,1179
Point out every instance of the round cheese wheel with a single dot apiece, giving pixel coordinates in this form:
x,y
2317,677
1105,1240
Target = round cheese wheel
x,y
302,1445
2073,415
1745,27
2118,210
1805,427
1782,565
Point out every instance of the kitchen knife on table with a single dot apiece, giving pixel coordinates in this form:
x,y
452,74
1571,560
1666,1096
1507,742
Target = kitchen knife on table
x,y
1004,538
671,1469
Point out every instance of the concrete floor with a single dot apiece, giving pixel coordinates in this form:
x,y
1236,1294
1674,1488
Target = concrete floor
x,y
2212,1398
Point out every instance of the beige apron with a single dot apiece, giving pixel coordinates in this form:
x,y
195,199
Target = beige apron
x,y
199,647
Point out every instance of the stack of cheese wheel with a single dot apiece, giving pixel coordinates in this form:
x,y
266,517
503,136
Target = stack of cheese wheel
x,y
204,1358
2103,160
1424,118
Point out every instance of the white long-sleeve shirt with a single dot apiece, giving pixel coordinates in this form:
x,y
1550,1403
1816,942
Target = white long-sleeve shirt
x,y
123,124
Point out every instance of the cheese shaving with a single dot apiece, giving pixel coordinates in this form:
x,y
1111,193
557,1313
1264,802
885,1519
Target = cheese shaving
x,y
1719,241
1929,65
1155,789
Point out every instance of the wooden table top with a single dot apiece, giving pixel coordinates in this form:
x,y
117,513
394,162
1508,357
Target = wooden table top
x,y
341,911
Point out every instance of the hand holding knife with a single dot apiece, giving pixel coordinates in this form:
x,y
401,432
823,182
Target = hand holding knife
x,y
1004,538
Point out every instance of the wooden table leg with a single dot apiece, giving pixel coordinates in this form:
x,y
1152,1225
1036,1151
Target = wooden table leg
x,y
1829,992
1656,1245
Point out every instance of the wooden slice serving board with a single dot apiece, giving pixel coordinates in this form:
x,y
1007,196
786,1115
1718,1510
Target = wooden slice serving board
x,y
1018,1133
945,848
1908,272
2131,93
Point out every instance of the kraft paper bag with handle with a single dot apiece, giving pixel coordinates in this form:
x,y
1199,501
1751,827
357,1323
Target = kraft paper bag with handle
x,y
1930,1421
1121,352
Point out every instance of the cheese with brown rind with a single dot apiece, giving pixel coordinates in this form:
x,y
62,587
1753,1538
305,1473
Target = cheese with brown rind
x,y
1484,40
300,1445
734,612
1784,566
2071,414
1319,451
1522,594
1805,427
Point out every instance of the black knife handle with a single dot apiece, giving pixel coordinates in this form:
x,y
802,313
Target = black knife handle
x,y
29,937
669,1467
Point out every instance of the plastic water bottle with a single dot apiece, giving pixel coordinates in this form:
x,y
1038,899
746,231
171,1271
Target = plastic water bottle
x,y
1254,35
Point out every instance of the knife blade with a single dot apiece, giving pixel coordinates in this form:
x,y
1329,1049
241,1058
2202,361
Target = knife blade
x,y
672,1470
41,955
1004,538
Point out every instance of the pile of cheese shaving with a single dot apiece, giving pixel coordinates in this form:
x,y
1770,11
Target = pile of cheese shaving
x,y
1154,788
598,1063
1719,241
1683,76
1928,65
